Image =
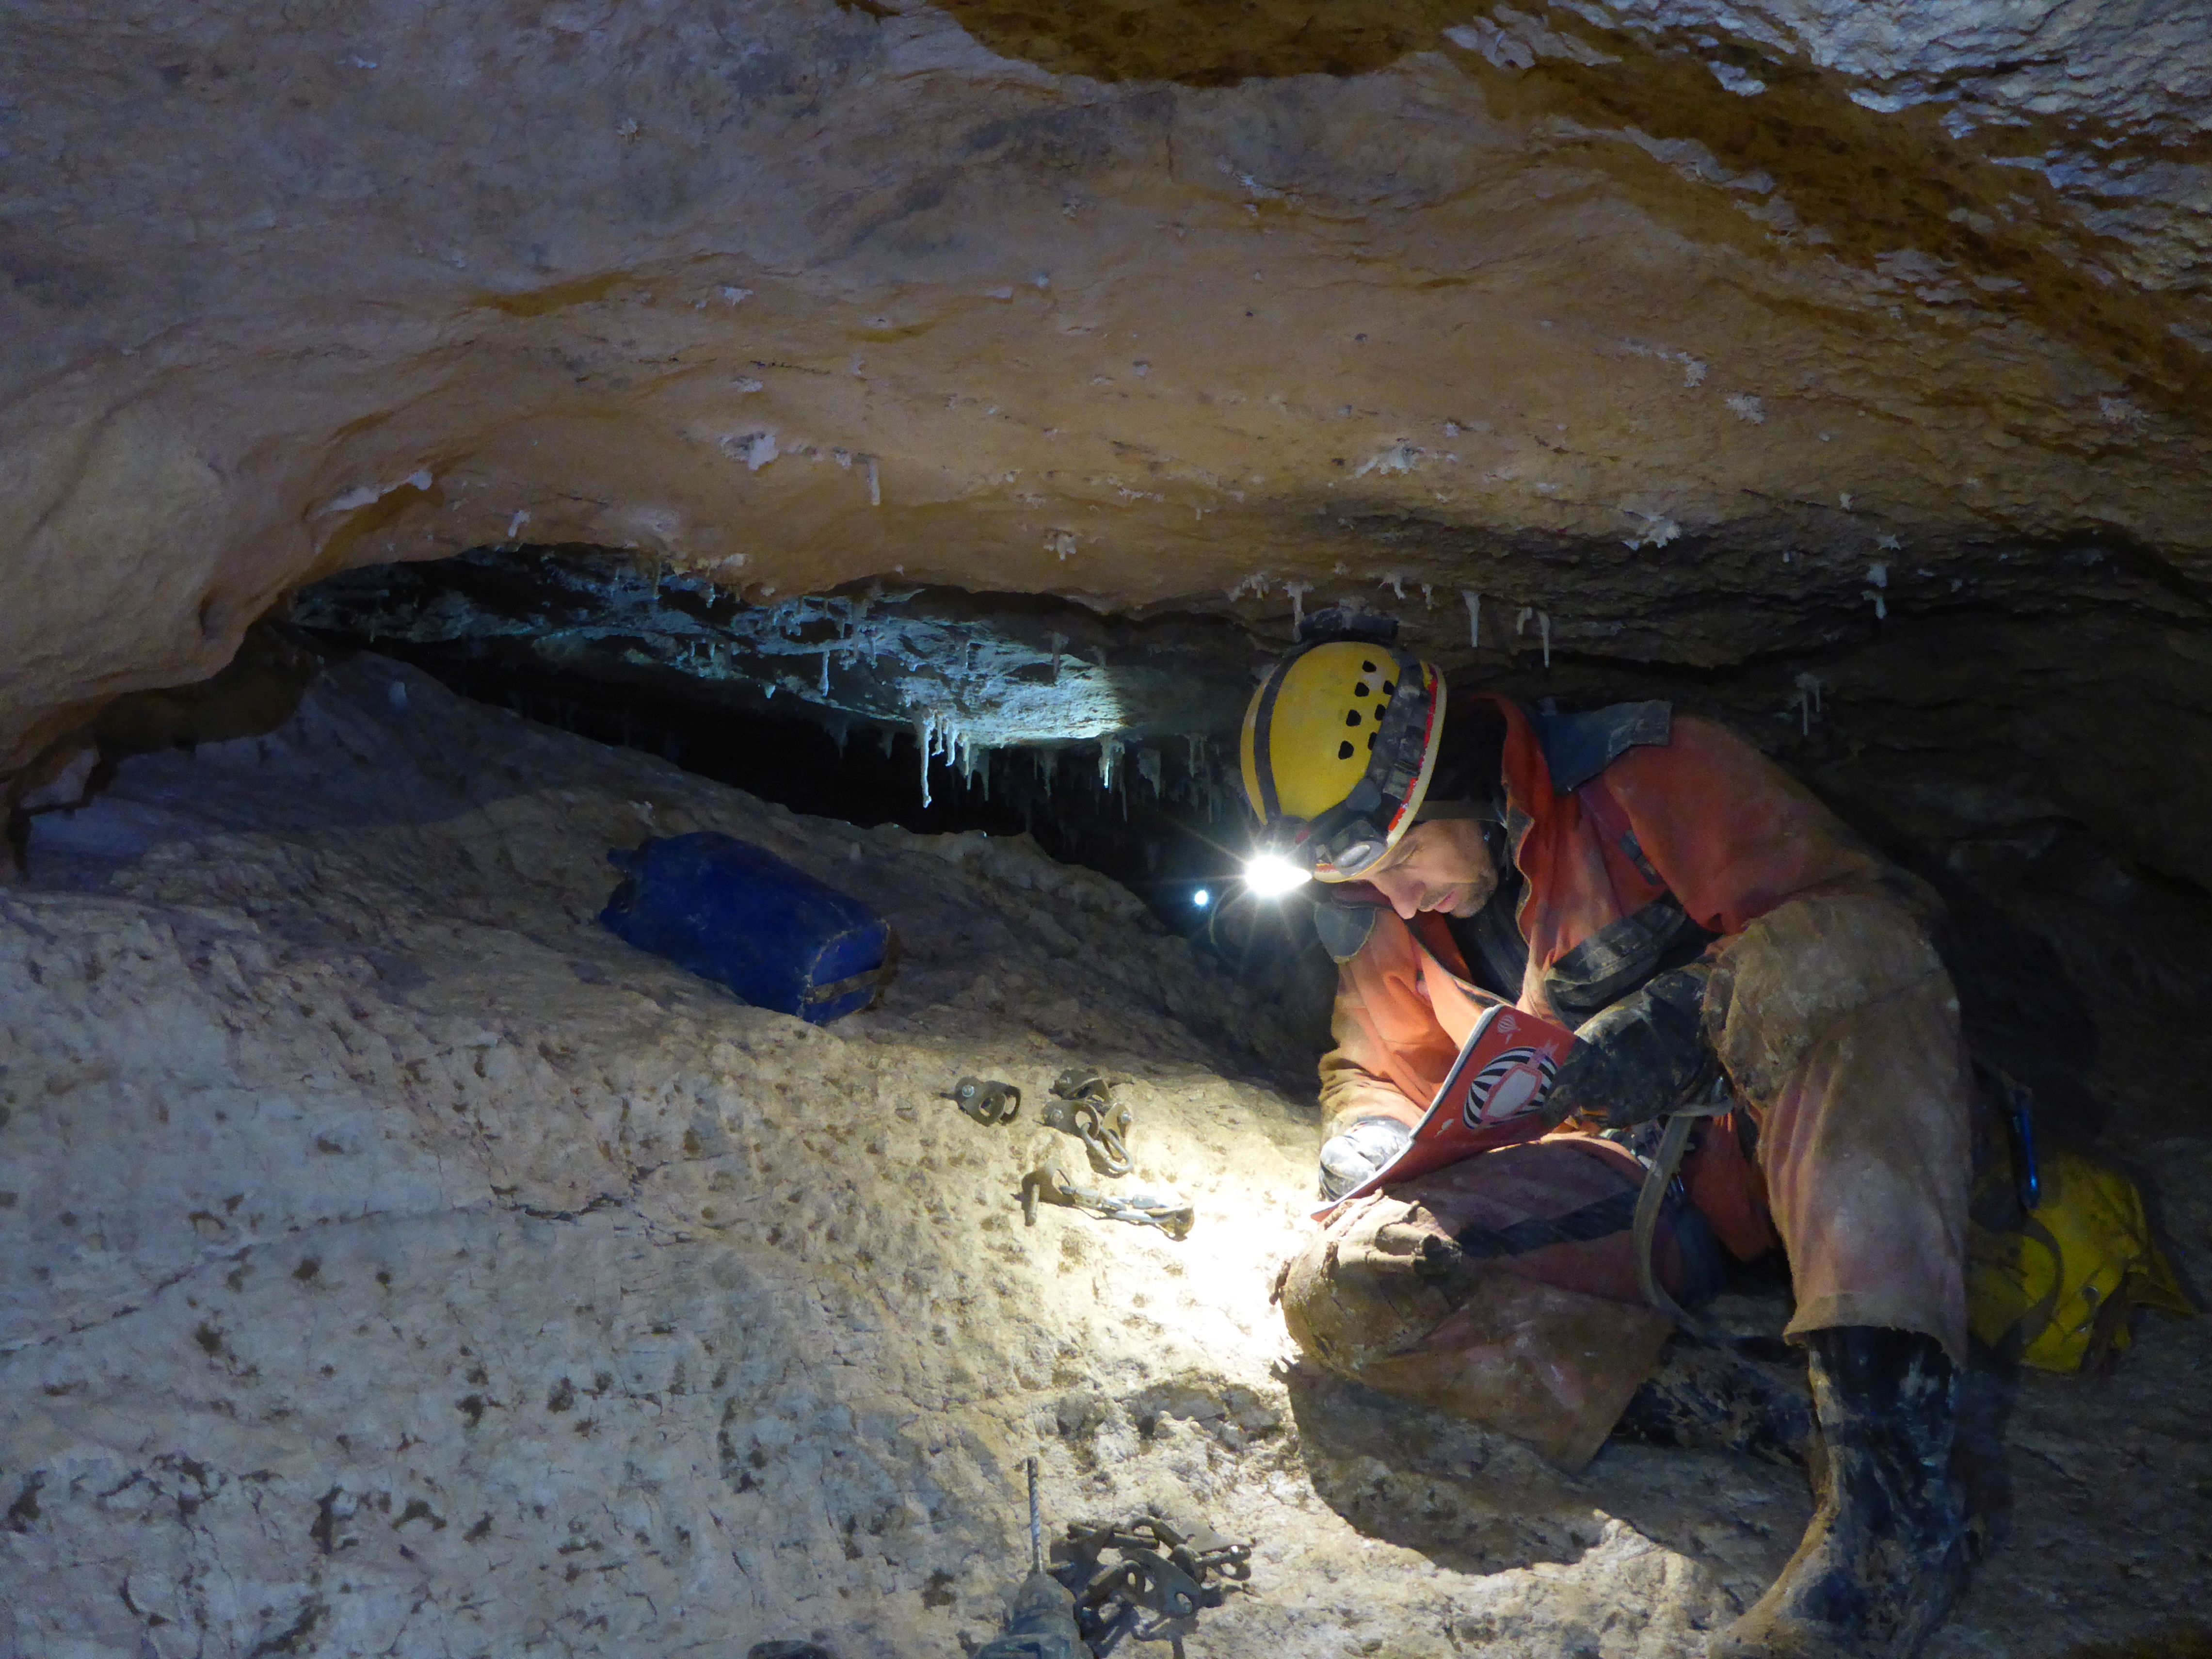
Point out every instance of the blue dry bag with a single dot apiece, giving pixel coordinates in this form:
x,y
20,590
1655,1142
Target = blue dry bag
x,y
739,916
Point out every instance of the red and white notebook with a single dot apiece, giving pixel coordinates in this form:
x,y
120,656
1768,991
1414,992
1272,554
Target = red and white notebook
x,y
1490,1097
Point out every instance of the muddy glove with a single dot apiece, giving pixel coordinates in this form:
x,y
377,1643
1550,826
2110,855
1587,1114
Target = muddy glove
x,y
1641,1058
1355,1156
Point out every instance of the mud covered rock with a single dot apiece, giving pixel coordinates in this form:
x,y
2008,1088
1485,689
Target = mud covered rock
x,y
392,1261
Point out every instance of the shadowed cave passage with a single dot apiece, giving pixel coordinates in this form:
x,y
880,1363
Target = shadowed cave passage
x,y
1990,741
941,709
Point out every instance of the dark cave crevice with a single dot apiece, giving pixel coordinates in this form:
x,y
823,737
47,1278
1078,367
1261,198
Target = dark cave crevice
x,y
2001,755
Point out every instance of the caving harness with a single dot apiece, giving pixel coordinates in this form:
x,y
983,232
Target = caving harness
x,y
1662,1177
1655,928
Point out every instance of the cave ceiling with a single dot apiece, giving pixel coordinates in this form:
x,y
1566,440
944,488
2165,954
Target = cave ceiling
x,y
1682,332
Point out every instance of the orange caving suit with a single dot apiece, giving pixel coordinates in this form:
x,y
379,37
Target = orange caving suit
x,y
1832,1017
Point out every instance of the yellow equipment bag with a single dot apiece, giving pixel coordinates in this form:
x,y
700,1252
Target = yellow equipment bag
x,y
2056,1289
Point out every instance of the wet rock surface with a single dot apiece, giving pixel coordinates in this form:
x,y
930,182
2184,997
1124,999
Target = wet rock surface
x,y
395,1263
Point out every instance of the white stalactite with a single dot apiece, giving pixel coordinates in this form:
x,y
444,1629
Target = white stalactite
x,y
1807,702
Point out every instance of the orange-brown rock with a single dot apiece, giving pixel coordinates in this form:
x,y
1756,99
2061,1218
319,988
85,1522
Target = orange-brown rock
x,y
1147,304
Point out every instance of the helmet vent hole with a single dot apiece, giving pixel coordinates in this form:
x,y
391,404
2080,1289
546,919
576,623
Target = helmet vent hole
x,y
1389,687
1352,717
1371,736
1344,750
1362,690
1367,668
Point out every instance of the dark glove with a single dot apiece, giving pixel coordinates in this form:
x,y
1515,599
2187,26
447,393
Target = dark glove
x,y
1641,1058
1356,1155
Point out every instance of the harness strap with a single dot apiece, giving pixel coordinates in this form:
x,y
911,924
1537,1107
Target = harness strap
x,y
1665,1165
1612,823
1600,1219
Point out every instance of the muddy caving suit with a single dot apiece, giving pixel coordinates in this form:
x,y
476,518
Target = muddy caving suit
x,y
1504,1288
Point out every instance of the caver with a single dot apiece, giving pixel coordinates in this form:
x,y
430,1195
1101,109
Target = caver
x,y
1715,938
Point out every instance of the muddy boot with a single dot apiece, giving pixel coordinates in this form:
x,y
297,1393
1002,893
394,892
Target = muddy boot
x,y
1886,1551
1709,1397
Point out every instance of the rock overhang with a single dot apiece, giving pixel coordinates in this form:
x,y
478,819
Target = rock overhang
x,y
1628,318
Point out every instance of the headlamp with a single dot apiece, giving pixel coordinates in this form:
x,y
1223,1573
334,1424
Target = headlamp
x,y
1351,838
1343,842
1270,875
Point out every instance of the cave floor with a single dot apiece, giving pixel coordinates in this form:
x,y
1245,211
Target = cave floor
x,y
398,1264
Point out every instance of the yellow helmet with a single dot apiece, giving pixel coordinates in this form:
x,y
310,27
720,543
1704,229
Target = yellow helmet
x,y
1339,743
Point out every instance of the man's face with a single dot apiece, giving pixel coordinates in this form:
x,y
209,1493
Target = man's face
x,y
1440,866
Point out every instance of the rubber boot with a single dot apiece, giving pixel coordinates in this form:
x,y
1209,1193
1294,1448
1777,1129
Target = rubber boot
x,y
1886,1551
1707,1397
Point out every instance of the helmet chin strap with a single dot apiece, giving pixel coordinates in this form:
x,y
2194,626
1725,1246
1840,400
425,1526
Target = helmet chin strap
x,y
1486,815
1485,812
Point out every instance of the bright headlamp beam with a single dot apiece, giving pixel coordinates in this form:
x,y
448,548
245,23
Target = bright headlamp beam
x,y
1270,875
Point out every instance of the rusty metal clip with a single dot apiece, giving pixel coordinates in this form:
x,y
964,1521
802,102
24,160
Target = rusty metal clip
x,y
1048,1183
1162,1571
986,1102
1084,1106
